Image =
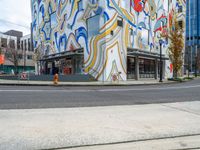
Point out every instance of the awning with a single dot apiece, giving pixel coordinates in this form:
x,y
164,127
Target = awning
x,y
62,55
142,53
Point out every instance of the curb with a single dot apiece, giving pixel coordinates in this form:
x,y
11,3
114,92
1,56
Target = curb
x,y
62,85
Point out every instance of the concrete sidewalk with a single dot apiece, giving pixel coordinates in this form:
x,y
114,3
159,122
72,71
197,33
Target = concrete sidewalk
x,y
71,127
178,143
93,83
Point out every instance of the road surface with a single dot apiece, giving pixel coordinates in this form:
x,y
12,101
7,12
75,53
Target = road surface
x,y
33,97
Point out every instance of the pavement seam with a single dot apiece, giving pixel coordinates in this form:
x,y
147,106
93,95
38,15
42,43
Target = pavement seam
x,y
104,90
124,142
181,109
191,148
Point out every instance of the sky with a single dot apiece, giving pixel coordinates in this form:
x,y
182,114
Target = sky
x,y
15,14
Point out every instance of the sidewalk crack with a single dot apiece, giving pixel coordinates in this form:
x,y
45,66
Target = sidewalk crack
x,y
181,109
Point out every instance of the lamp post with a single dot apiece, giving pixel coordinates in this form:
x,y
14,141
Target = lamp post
x,y
161,42
161,68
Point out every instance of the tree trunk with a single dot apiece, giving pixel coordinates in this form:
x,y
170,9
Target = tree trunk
x,y
15,70
175,74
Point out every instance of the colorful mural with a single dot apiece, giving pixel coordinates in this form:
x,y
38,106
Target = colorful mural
x,y
66,25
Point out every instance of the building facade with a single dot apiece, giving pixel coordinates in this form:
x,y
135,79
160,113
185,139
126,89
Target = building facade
x,y
109,39
192,34
22,44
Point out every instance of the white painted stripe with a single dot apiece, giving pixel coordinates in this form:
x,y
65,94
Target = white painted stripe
x,y
104,90
149,89
47,91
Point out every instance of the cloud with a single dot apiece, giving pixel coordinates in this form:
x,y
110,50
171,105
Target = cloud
x,y
15,14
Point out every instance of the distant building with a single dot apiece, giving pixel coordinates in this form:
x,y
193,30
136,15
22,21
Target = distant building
x,y
15,40
17,34
192,34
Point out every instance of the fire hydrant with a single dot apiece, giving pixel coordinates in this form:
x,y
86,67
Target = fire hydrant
x,y
55,79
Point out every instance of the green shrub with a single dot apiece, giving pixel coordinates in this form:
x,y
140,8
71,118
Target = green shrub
x,y
188,78
176,79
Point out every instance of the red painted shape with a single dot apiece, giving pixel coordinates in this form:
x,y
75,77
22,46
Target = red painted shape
x,y
138,5
171,68
160,28
162,17
2,59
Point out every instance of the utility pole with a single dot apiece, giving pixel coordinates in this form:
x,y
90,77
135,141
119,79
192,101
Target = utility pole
x,y
24,54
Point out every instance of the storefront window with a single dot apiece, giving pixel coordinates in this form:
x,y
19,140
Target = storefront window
x,y
131,68
147,68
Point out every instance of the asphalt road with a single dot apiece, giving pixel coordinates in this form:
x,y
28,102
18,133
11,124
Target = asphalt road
x,y
27,97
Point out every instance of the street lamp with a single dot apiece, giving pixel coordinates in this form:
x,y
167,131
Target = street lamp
x,y
161,42
161,68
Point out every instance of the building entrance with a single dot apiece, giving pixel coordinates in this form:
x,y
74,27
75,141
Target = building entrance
x,y
71,65
147,68
67,63
131,68
143,64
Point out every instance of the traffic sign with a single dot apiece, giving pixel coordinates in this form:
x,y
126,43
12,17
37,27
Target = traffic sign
x,y
23,76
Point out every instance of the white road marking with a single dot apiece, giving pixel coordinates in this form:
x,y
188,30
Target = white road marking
x,y
148,89
48,91
103,90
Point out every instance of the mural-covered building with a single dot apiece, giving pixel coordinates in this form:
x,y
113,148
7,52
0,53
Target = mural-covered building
x,y
109,39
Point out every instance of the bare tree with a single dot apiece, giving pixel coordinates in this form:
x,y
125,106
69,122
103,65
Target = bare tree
x,y
13,56
38,56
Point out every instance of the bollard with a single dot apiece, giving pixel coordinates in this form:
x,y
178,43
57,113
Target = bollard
x,y
55,79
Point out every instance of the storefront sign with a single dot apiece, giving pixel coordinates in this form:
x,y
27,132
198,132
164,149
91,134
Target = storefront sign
x,y
67,70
